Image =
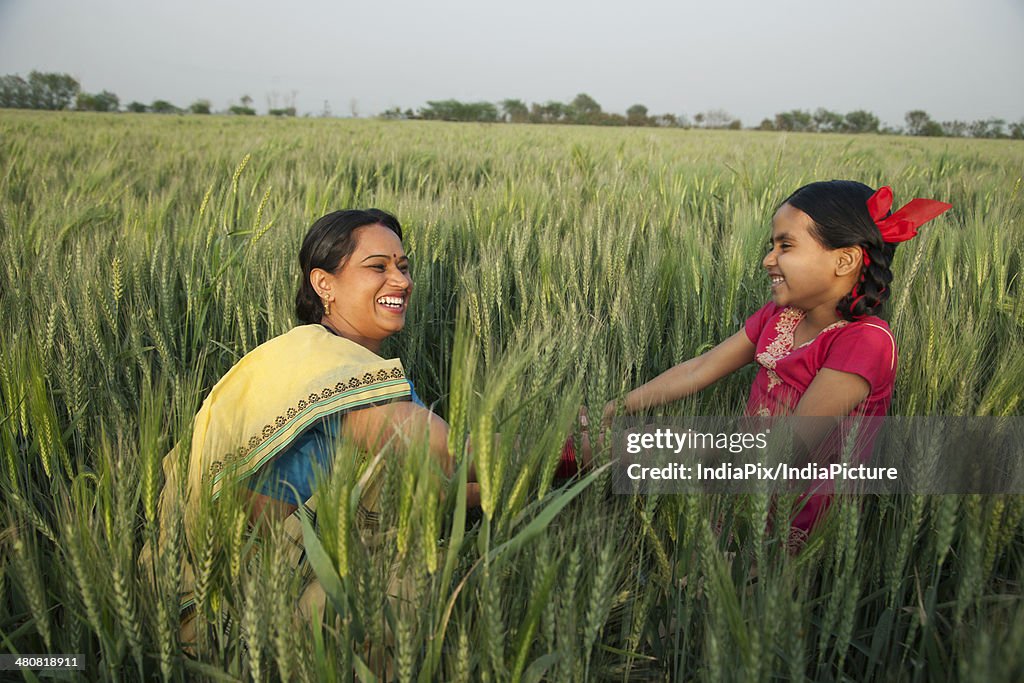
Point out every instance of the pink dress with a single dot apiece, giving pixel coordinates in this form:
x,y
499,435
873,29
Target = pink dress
x,y
864,347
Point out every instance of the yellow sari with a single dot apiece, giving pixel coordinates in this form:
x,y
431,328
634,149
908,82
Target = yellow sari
x,y
257,410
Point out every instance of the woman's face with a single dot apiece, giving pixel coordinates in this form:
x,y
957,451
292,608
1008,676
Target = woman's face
x,y
369,291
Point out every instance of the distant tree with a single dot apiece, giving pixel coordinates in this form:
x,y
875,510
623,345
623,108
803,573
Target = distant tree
x,y
611,119
453,110
584,109
796,120
549,112
637,115
978,129
989,128
40,91
918,121
720,118
515,111
282,111
104,101
485,112
667,121
52,90
826,121
246,101
163,107
766,124
137,107
200,107
241,110
860,121
109,101
954,129
392,114
1017,130
735,124
15,92
437,110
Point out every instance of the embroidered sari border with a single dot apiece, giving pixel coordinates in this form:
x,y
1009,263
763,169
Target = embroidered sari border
x,y
265,445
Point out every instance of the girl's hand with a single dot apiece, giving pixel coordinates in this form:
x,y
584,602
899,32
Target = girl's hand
x,y
610,412
571,465
586,452
607,415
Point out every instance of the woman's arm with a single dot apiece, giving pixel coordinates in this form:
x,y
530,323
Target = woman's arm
x,y
687,378
379,426
373,428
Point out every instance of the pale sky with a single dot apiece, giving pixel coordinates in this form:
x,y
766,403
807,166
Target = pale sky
x,y
956,59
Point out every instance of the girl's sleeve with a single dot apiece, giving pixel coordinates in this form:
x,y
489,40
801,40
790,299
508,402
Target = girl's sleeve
x,y
867,350
756,323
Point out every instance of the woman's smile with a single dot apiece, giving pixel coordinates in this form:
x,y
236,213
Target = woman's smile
x,y
393,303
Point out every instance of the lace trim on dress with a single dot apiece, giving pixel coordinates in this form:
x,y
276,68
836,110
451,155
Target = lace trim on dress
x,y
782,345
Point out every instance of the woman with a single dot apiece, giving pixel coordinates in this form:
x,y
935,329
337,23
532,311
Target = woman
x,y
272,421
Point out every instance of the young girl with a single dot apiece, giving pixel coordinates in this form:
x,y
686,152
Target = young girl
x,y
820,349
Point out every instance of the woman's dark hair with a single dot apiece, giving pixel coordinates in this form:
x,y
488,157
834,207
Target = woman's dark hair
x,y
839,210
328,241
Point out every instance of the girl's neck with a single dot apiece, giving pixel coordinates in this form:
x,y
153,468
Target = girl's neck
x,y
822,316
818,318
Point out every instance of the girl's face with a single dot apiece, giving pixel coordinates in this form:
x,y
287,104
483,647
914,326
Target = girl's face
x,y
369,292
803,273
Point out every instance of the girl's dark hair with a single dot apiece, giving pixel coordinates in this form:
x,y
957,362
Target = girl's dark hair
x,y
328,241
839,211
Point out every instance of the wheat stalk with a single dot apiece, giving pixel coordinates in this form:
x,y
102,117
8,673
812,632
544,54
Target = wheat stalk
x,y
27,571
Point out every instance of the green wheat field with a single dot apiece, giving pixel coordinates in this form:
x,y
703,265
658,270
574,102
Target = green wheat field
x,y
142,255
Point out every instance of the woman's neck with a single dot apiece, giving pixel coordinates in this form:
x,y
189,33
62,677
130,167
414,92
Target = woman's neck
x,y
370,344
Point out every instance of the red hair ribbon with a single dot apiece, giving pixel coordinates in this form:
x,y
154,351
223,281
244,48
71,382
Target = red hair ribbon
x,y
867,259
903,224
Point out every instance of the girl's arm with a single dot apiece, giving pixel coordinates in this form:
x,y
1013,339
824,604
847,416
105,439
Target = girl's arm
x,y
831,395
688,377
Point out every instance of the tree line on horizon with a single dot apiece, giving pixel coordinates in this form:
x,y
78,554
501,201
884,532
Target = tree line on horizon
x,y
60,91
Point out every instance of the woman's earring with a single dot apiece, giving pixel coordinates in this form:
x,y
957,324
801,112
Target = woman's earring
x,y
327,307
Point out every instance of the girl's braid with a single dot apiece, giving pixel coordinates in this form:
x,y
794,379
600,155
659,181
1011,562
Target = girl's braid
x,y
873,288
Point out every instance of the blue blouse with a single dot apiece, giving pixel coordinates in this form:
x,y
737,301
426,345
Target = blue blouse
x,y
297,466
